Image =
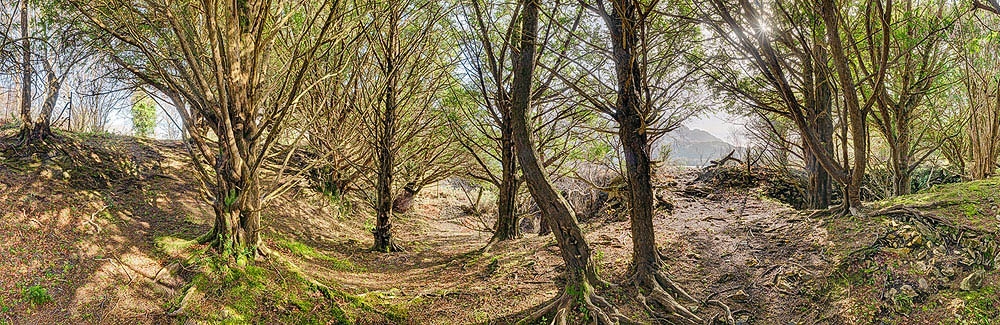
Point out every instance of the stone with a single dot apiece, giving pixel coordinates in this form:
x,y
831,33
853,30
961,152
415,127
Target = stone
x,y
907,290
948,271
739,296
923,285
973,281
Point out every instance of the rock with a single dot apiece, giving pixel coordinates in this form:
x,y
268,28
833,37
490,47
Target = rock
x,y
948,271
907,290
923,285
973,281
740,296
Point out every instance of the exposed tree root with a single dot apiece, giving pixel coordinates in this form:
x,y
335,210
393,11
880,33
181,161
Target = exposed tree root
x,y
579,297
657,294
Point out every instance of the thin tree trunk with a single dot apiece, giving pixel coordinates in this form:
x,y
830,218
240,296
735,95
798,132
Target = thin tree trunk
x,y
53,84
631,113
580,269
507,226
857,116
632,132
387,132
26,72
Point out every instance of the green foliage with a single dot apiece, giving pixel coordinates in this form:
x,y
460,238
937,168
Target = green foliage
x,y
36,295
143,116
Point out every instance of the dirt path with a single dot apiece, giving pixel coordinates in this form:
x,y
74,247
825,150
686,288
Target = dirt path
x,y
757,254
104,266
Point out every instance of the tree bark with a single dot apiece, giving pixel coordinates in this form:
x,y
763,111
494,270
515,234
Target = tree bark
x,y
820,113
384,241
26,124
53,84
622,23
507,226
573,246
857,115
581,273
632,115
237,210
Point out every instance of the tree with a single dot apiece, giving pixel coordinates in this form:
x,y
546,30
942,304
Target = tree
x,y
912,77
234,71
648,53
483,123
795,61
797,66
406,73
581,273
979,65
26,76
143,115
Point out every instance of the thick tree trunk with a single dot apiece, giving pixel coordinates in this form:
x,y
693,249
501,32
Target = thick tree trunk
x,y
507,226
237,210
820,114
900,161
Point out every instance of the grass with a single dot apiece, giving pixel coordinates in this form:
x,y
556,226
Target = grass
x,y
257,293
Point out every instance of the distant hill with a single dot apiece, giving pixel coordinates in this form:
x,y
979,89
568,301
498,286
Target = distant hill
x,y
691,147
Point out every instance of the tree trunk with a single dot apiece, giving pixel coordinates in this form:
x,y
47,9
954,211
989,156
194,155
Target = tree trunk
x,y
819,111
632,115
26,125
53,84
634,138
237,210
507,226
384,155
857,116
580,272
900,159
554,208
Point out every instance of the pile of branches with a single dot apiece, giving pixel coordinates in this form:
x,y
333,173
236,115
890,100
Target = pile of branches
x,y
730,173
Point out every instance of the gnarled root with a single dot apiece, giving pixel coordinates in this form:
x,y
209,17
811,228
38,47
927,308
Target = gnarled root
x,y
582,294
658,295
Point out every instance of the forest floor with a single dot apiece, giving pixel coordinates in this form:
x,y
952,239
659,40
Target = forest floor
x,y
98,229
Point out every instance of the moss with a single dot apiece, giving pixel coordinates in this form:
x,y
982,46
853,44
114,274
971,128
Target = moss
x,y
967,203
173,245
303,250
981,306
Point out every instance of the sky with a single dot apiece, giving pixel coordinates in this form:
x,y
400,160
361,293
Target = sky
x,y
722,125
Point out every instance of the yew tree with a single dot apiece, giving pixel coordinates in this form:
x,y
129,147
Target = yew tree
x,y
234,71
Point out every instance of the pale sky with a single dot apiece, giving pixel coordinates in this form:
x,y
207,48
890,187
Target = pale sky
x,y
722,125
